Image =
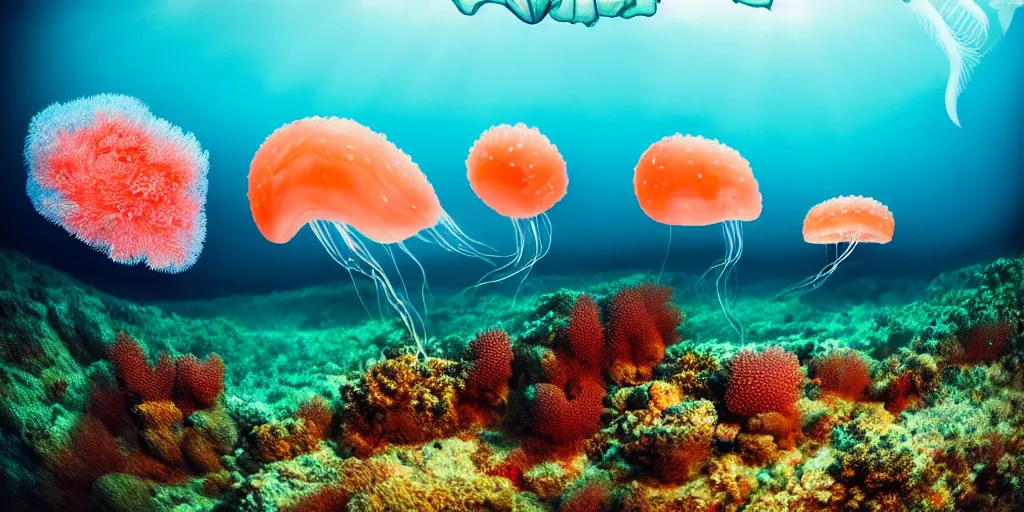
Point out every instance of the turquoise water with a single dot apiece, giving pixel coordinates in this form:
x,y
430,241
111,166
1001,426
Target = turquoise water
x,y
823,97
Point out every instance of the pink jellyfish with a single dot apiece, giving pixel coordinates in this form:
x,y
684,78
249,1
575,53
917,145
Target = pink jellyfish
x,y
356,191
693,181
518,173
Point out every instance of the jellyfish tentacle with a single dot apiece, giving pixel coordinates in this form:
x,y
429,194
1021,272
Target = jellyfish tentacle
x,y
323,236
425,288
734,250
449,236
542,236
353,254
814,282
664,261
536,230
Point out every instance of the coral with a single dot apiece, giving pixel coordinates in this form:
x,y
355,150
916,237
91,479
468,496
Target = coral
x,y
757,449
144,382
400,400
767,381
592,496
118,492
642,322
317,415
585,335
783,427
491,366
843,373
674,443
692,372
983,342
199,452
883,469
565,417
198,383
282,440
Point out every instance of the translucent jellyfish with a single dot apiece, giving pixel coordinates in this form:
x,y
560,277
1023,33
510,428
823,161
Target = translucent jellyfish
x,y
586,12
359,194
519,173
693,181
127,183
962,29
850,220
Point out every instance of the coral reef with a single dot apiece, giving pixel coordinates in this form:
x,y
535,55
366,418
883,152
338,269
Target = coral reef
x,y
595,399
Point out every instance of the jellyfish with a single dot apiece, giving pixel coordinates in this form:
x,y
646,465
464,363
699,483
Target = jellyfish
x,y
586,12
849,220
693,181
518,173
120,179
359,194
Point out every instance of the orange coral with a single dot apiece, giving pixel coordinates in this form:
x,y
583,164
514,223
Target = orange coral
x,y
317,415
161,414
283,440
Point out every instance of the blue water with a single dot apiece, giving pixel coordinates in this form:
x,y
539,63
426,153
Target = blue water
x,y
823,97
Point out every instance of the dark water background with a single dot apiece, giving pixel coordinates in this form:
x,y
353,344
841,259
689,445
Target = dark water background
x,y
842,104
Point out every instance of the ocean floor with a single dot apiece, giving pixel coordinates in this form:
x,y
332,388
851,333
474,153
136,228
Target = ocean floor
x,y
617,394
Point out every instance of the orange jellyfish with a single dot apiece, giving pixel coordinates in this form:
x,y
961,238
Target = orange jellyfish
x,y
693,181
519,173
356,191
849,220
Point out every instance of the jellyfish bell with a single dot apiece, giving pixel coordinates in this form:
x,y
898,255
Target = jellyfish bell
x,y
518,173
849,220
694,181
359,194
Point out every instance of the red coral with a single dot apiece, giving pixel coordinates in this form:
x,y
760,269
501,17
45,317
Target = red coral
x,y
984,343
899,392
198,383
142,381
592,497
106,403
760,382
585,335
492,364
643,321
842,373
565,417
93,452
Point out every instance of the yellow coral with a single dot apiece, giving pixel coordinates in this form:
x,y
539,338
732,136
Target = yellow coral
x,y
694,370
401,400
